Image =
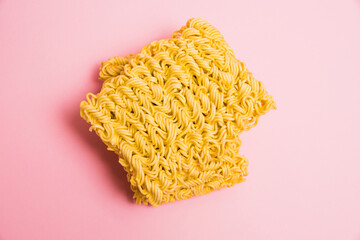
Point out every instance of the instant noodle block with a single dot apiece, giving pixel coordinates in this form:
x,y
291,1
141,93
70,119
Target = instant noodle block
x,y
173,114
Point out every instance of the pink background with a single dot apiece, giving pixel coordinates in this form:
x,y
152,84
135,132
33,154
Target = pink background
x,y
58,181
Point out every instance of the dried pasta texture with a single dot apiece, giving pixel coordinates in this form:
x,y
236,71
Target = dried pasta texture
x,y
174,111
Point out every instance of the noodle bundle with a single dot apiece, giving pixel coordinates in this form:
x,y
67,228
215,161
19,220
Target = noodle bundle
x,y
173,114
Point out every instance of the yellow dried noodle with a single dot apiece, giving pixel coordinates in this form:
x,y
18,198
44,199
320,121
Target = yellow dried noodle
x,y
174,111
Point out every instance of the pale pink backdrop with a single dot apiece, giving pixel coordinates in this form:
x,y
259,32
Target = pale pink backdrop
x,y
58,181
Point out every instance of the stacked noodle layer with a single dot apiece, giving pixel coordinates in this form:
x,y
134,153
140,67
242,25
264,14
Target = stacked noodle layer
x,y
174,111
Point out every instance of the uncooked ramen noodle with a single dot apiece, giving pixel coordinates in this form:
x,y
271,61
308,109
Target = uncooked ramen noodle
x,y
173,114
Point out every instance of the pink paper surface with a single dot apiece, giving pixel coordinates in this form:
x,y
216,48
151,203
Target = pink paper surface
x,y
58,181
